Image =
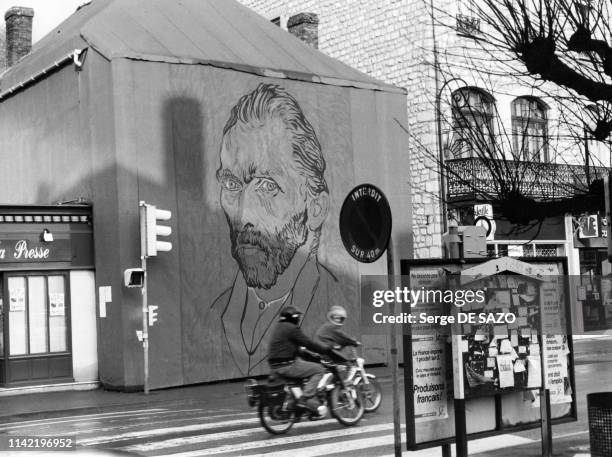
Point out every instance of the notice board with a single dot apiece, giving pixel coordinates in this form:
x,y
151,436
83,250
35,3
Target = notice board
x,y
501,375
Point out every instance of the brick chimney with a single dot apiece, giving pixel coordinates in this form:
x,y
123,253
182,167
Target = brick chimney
x,y
305,26
18,33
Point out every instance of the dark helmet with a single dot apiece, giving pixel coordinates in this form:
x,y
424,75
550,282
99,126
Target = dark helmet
x,y
290,314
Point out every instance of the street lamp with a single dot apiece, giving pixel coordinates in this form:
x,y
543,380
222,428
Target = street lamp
x,y
438,102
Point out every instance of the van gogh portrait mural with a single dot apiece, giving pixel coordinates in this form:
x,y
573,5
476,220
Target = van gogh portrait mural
x,y
261,230
275,198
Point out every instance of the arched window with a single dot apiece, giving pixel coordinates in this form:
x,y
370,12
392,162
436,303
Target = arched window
x,y
473,111
529,129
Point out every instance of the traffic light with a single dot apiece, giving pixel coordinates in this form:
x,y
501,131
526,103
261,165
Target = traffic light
x,y
152,314
149,230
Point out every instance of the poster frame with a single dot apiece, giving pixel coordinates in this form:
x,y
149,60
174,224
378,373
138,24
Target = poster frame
x,y
411,443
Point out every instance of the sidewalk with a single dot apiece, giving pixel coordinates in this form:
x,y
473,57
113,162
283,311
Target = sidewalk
x,y
53,403
49,404
594,334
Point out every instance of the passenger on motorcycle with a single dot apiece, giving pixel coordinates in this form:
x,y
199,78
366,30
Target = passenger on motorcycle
x,y
330,333
283,358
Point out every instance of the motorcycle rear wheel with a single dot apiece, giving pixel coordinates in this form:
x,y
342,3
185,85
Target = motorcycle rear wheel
x,y
274,419
371,392
346,405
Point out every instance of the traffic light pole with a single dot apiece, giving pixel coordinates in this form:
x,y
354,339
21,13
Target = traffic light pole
x,y
145,327
145,309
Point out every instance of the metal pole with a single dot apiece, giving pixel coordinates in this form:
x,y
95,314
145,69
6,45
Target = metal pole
x,y
145,320
446,450
439,122
545,423
608,212
586,154
461,442
397,437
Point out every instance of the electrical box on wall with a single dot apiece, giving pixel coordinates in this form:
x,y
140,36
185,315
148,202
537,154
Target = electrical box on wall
x,y
474,240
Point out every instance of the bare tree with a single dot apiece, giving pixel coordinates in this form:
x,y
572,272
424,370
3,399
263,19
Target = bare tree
x,y
560,49
557,41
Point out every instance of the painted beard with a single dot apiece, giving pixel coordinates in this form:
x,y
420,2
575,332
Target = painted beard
x,y
262,257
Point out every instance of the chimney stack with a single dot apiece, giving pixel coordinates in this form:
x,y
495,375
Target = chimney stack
x,y
18,33
305,26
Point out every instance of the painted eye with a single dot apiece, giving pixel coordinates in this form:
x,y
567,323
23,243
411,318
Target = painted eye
x,y
268,185
231,184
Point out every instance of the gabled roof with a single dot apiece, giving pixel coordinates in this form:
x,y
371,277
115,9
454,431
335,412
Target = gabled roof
x,y
221,33
505,265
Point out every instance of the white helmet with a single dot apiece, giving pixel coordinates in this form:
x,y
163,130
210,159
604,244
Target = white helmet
x,y
337,315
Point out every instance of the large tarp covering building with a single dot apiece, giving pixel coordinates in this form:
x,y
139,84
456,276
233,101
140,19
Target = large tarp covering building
x,y
250,137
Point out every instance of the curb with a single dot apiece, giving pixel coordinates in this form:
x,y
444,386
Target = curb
x,y
64,387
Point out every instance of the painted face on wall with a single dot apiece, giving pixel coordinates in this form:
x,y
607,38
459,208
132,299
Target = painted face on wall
x,y
263,195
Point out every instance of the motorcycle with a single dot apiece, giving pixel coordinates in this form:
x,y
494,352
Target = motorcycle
x,y
366,382
277,400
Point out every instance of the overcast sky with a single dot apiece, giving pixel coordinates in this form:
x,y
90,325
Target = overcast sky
x,y
47,13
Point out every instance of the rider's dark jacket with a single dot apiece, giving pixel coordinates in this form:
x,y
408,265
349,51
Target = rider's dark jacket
x,y
329,333
285,341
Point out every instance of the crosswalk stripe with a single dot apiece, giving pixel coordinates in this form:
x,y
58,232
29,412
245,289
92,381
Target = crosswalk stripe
x,y
59,420
474,446
286,440
234,434
86,428
163,431
567,435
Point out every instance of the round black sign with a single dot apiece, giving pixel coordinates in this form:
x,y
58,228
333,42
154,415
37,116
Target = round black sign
x,y
365,223
484,221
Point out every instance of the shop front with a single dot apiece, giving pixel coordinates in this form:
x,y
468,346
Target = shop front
x,y
594,290
47,301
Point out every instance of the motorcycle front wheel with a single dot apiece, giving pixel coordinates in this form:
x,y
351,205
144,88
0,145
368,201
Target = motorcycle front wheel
x,y
274,419
346,405
371,392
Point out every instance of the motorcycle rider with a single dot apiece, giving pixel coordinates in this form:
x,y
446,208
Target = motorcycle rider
x,y
285,341
331,332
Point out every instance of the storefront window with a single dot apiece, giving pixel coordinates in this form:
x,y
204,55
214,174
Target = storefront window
x,y
594,290
57,315
37,314
17,316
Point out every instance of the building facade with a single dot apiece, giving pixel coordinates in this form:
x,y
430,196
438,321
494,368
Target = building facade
x,y
455,90
113,114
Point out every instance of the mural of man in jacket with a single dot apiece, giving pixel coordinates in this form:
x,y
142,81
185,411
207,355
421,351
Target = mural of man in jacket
x,y
275,199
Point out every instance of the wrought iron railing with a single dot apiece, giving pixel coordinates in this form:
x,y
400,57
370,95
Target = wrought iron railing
x,y
470,178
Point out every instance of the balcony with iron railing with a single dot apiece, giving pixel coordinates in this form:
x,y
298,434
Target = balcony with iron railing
x,y
470,179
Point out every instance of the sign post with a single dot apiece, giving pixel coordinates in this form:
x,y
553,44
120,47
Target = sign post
x,y
365,229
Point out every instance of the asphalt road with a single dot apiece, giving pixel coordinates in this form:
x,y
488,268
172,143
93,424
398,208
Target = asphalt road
x,y
215,420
